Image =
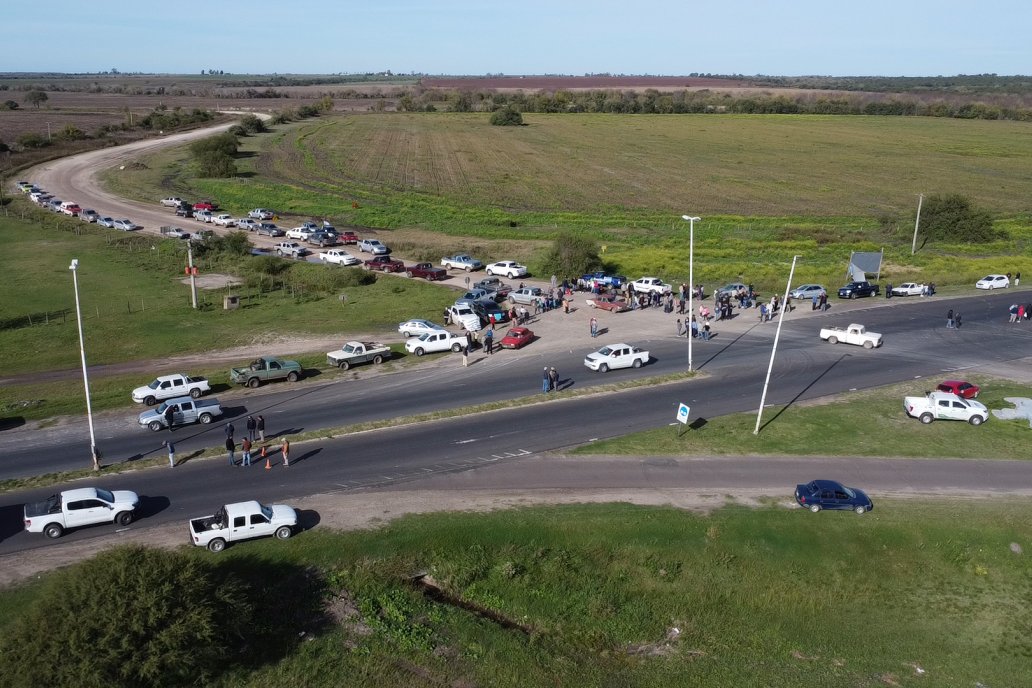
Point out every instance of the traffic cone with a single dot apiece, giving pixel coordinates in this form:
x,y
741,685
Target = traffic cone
x,y
268,461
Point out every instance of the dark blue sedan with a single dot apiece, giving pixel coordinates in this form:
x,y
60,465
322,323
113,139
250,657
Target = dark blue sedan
x,y
828,494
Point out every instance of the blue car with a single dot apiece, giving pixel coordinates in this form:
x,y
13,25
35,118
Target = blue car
x,y
828,494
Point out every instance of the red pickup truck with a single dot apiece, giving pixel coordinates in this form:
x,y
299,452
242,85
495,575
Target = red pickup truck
x,y
384,264
205,205
348,238
427,271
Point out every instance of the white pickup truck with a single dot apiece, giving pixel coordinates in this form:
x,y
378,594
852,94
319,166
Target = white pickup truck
x,y
909,289
854,334
168,386
651,284
242,521
354,353
85,506
945,406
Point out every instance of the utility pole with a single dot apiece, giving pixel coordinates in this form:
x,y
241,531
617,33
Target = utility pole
x,y
193,277
691,281
917,223
774,349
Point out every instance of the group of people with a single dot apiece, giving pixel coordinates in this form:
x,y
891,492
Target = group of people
x,y
1019,312
550,380
694,330
255,433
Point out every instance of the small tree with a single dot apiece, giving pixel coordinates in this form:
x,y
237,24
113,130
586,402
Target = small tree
x,y
131,617
36,98
253,124
951,217
507,116
9,105
572,256
33,140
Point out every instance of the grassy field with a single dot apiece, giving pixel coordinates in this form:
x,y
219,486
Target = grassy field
x,y
135,307
865,423
587,595
767,187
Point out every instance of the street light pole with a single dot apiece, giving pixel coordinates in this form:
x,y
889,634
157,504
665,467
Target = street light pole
x,y
774,349
691,280
193,277
48,132
917,223
74,267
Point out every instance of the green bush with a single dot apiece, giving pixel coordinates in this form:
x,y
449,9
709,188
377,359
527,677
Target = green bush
x,y
507,116
571,256
130,617
33,140
252,124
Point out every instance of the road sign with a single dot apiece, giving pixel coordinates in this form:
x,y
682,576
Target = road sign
x,y
682,413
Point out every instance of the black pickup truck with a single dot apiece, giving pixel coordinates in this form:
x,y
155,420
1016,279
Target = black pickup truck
x,y
855,290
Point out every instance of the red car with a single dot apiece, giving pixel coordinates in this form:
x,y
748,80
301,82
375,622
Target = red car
x,y
348,238
962,389
517,337
608,302
205,205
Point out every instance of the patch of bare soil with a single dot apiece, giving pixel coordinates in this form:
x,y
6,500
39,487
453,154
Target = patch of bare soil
x,y
214,281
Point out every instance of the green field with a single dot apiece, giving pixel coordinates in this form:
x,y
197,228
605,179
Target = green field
x,y
767,187
588,595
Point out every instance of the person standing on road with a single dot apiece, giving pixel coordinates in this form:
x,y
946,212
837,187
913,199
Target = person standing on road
x,y
956,320
705,332
245,451
546,382
594,327
1017,278
229,431
230,449
694,332
949,319
285,450
171,454
680,328
553,379
489,340
260,423
252,425
465,356
169,416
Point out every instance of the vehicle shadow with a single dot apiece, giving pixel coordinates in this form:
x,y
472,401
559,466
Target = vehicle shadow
x,y
11,423
12,520
308,519
151,506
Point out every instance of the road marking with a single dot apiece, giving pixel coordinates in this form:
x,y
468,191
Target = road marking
x,y
464,441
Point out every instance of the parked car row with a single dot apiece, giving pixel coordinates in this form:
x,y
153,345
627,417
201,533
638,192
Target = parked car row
x,y
47,201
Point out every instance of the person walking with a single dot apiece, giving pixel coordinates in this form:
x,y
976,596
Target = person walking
x,y
956,320
171,453
546,381
245,452
229,431
705,332
594,327
260,423
230,449
252,426
169,416
1017,279
285,450
465,356
489,340
949,319
553,379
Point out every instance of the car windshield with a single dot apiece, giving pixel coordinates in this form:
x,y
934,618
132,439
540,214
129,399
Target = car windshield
x,y
426,335
266,511
154,385
849,491
605,351
106,496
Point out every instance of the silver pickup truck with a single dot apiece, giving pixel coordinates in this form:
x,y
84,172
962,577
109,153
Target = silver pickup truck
x,y
181,411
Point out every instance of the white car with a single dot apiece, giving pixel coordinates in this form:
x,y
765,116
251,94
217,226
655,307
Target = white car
x,y
509,268
807,291
171,202
106,222
432,342
373,246
616,356
415,328
993,282
650,284
125,225
339,257
247,225
261,214
224,220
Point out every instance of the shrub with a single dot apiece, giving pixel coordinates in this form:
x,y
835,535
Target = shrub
x,y
507,116
571,256
130,617
215,165
252,124
72,133
33,140
951,217
9,105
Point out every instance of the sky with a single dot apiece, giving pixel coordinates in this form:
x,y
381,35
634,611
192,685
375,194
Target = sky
x,y
475,37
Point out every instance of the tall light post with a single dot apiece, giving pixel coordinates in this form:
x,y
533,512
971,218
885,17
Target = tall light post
x,y
74,267
774,349
917,223
691,279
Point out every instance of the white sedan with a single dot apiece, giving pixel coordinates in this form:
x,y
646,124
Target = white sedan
x,y
806,291
509,268
224,220
616,356
432,342
126,225
993,282
339,257
415,328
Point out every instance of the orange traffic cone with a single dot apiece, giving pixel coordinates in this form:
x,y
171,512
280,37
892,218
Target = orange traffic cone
x,y
268,461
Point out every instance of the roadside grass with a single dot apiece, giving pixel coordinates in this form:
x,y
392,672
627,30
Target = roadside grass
x,y
915,593
135,307
785,186
870,422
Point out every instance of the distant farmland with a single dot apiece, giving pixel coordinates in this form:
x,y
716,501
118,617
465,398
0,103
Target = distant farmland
x,y
730,165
